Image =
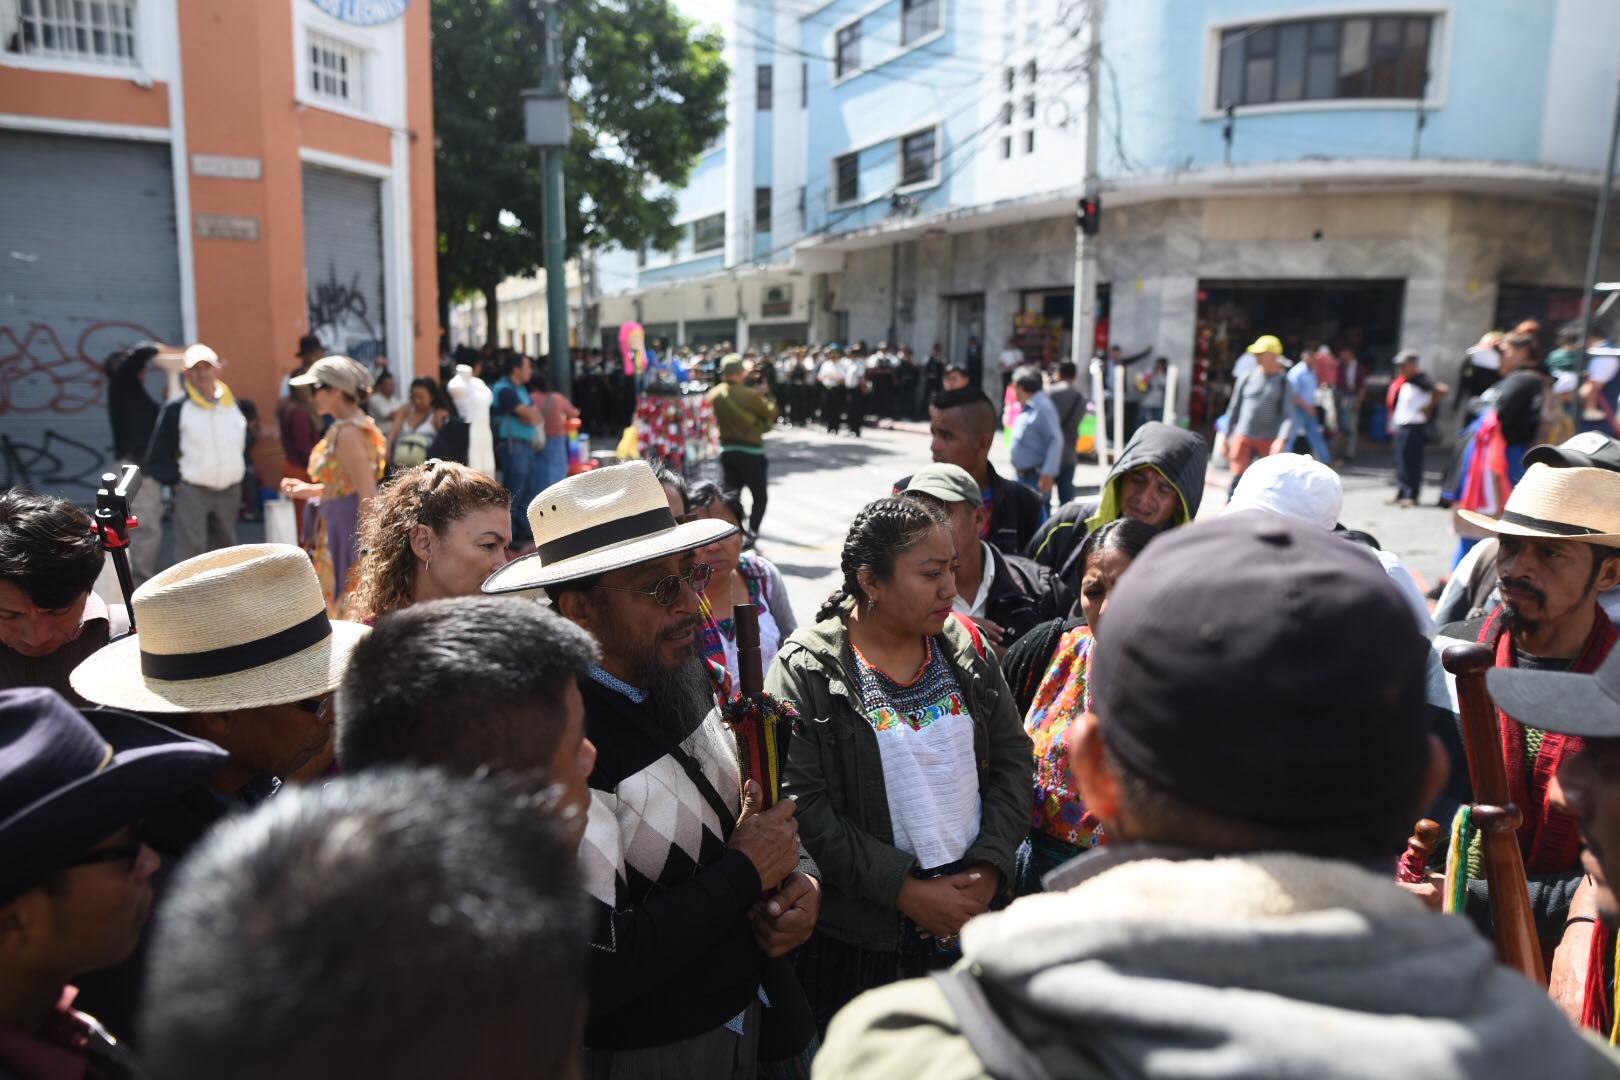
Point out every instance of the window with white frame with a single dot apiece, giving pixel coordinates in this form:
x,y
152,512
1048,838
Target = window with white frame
x,y
917,157
847,52
918,19
709,233
1382,56
337,71
92,31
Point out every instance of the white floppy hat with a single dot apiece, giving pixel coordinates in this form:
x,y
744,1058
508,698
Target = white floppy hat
x,y
1559,504
237,628
1293,485
598,521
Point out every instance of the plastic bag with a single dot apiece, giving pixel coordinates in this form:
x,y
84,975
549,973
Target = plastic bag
x,y
280,522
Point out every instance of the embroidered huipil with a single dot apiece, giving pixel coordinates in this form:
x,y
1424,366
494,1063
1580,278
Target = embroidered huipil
x,y
925,738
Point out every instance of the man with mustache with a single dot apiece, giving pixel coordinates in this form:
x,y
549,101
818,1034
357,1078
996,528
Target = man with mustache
x,y
1559,537
684,978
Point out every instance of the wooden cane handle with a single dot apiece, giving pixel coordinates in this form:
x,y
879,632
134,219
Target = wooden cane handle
x,y
1420,845
1512,920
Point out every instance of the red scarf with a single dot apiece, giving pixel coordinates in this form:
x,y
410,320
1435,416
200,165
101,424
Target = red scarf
x,y
1549,838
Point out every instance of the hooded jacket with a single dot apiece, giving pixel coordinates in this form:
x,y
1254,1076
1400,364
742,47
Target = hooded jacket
x,y
834,774
1145,963
1179,456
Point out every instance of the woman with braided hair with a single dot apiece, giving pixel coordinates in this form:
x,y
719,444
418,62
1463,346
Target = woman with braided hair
x,y
909,764
436,530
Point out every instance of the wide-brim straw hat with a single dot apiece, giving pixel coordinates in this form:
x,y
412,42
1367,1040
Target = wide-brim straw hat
x,y
599,521
238,628
1559,504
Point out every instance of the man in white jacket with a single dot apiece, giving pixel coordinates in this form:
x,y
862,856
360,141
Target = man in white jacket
x,y
199,447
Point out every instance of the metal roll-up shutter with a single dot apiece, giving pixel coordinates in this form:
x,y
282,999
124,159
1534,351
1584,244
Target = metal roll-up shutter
x,y
343,256
88,266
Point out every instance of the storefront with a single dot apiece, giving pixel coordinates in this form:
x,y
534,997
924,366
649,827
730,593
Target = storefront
x,y
73,295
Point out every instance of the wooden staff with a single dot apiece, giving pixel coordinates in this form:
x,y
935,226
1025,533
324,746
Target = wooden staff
x,y
750,666
1494,814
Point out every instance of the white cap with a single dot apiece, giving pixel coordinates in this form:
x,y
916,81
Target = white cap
x,y
1294,485
200,354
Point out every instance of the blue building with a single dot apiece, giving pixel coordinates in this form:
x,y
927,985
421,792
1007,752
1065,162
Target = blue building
x,y
1372,175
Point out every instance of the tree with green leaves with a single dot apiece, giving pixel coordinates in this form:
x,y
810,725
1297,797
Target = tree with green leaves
x,y
647,94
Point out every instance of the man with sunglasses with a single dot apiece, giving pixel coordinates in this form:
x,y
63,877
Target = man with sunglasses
x,y
234,647
75,874
684,980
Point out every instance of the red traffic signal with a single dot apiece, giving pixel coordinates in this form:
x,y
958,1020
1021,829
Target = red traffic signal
x,y
1090,215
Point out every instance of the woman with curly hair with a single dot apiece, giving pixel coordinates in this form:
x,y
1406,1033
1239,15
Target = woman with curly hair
x,y
436,530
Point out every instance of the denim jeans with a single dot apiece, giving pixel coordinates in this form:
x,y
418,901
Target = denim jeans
x,y
1065,483
520,467
1304,422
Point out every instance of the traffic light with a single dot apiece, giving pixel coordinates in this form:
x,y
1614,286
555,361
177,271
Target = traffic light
x,y
1090,215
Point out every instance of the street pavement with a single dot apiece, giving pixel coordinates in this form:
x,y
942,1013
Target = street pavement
x,y
819,482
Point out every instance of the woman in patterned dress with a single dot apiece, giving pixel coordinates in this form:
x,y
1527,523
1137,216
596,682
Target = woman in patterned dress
x,y
1061,827
345,466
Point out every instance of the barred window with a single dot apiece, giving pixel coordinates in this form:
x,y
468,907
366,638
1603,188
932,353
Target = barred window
x,y
96,31
337,71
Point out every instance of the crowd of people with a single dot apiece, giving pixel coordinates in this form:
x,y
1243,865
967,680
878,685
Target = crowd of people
x,y
1073,784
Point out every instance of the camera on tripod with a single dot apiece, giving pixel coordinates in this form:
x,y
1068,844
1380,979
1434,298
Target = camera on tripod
x,y
113,523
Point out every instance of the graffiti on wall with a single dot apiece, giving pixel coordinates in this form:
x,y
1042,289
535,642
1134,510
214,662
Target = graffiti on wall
x,y
53,404
342,317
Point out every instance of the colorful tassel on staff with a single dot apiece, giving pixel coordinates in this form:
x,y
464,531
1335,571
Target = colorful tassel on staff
x,y
1462,837
762,726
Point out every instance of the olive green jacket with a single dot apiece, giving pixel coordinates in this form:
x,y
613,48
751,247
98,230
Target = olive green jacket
x,y
835,776
742,415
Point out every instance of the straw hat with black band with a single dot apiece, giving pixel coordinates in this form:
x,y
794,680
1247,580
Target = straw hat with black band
x,y
238,628
599,521
69,780
1559,504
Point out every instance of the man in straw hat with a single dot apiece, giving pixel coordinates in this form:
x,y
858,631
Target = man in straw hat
x,y
75,875
198,448
674,856
234,647
1559,541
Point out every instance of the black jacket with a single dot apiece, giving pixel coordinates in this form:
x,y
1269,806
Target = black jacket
x,y
132,411
1180,455
1022,594
1015,512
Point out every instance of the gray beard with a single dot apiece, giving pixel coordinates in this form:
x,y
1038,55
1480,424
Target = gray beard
x,y
681,697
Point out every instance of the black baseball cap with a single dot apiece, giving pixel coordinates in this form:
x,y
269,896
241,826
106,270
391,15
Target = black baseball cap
x,y
1588,450
1264,669
1561,701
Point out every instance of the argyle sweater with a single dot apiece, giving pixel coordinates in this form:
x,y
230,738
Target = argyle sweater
x,y
672,954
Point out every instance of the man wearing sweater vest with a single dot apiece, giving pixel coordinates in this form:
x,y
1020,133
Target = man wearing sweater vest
x,y
686,975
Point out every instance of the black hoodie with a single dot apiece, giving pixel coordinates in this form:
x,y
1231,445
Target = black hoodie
x,y
1180,456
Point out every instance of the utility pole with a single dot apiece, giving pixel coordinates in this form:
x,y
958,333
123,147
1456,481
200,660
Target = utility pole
x,y
1085,246
546,126
1600,225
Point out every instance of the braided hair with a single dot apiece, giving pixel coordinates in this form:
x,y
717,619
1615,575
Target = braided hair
x,y
1122,534
880,533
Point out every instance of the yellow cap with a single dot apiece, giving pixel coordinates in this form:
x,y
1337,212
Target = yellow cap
x,y
1266,343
